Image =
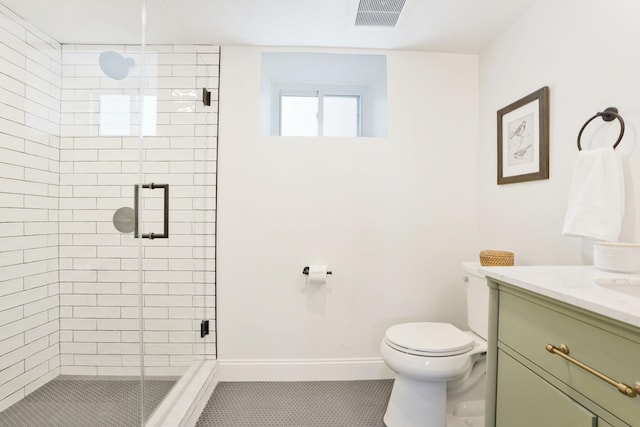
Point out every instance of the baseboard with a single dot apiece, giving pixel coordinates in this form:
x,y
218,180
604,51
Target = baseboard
x,y
303,369
186,400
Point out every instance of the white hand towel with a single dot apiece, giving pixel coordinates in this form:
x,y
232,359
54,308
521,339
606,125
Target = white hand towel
x,y
596,198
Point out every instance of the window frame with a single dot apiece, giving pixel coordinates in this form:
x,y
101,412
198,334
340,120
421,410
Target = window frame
x,y
319,91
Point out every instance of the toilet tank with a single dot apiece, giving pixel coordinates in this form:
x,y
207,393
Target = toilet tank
x,y
477,298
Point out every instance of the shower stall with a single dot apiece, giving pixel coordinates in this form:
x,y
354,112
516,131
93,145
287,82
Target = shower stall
x,y
107,223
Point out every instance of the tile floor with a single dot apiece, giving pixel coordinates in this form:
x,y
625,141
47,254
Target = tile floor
x,y
297,404
86,402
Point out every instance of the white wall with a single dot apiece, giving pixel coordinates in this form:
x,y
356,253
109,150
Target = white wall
x,y
391,217
587,53
29,152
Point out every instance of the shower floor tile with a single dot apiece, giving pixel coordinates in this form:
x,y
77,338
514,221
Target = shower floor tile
x,y
86,402
297,404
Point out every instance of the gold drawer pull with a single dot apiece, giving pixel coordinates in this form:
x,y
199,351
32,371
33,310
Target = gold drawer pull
x,y
563,351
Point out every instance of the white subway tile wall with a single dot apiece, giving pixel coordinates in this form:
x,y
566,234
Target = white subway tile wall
x,y
30,82
68,278
98,169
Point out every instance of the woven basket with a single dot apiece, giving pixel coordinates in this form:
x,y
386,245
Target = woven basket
x,y
496,258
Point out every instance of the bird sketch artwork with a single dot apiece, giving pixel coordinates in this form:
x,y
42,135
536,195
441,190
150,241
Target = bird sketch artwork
x,y
520,144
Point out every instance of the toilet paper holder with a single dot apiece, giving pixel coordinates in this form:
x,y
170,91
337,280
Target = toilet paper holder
x,y
306,271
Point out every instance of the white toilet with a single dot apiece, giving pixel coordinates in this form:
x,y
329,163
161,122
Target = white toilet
x,y
440,370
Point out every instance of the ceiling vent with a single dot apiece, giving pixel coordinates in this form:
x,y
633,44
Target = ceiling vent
x,y
379,13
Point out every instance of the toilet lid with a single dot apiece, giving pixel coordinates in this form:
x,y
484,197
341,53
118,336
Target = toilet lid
x,y
429,339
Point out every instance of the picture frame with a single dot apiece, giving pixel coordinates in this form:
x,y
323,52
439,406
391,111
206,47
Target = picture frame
x,y
523,139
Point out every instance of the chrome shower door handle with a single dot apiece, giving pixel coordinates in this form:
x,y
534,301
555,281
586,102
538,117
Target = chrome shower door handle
x,y
152,186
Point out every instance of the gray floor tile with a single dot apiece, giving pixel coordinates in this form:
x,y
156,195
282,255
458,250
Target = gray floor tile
x,y
86,402
297,404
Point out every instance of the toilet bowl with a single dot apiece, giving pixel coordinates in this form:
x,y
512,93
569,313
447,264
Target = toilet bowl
x,y
423,374
438,365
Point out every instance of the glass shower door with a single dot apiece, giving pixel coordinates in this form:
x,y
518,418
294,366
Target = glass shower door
x,y
84,304
101,161
177,196
70,270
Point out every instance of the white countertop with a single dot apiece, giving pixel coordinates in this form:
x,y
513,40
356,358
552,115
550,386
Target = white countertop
x,y
574,285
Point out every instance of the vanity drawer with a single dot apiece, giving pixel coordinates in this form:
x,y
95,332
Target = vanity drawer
x,y
527,326
526,400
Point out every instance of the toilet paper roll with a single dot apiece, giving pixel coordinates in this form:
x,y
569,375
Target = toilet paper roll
x,y
317,274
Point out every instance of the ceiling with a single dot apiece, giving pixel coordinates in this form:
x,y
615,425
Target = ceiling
x,y
464,26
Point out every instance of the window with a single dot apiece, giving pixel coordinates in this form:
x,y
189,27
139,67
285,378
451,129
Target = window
x,y
325,95
298,114
319,113
341,115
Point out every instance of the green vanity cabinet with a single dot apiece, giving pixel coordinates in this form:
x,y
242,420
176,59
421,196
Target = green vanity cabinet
x,y
531,384
526,400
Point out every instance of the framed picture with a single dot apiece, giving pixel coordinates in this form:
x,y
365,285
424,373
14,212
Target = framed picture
x,y
523,139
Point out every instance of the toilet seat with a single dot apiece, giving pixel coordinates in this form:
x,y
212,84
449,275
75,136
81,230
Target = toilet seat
x,y
428,339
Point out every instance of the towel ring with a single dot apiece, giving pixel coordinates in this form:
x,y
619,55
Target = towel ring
x,y
607,115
